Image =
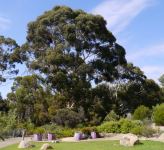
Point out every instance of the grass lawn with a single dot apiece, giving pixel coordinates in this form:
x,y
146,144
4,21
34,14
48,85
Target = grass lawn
x,y
99,145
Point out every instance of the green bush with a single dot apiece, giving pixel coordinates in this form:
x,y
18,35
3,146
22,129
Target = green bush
x,y
121,126
137,130
64,132
112,116
143,131
39,130
67,118
142,113
127,125
158,114
148,131
58,130
109,127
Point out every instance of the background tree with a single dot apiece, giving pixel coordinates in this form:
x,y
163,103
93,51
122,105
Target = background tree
x,y
161,80
8,57
134,94
29,99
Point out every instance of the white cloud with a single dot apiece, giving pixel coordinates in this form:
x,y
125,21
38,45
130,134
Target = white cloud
x,y
119,13
153,51
149,55
153,72
4,23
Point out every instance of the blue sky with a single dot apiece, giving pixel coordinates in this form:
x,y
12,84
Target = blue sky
x,y
138,26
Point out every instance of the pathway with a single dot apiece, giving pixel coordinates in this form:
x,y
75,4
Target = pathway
x,y
11,141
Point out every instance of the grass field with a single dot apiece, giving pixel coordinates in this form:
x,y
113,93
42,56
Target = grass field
x,y
99,145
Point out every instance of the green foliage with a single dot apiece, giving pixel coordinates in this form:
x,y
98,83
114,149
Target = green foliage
x,y
39,130
58,131
3,105
29,99
141,113
161,80
8,123
145,131
112,116
137,130
109,127
121,126
28,126
66,132
100,102
148,131
127,125
8,47
134,94
67,118
158,114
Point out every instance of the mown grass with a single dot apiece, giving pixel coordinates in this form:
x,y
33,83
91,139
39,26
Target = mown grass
x,y
98,145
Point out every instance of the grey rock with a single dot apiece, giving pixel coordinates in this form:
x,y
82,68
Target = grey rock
x,y
129,140
46,146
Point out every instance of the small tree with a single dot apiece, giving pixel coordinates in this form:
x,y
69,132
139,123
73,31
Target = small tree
x,y
141,113
112,116
158,114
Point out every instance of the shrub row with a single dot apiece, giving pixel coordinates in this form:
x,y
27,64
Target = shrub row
x,y
126,126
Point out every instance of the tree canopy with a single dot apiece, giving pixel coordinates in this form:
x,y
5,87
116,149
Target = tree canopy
x,y
161,80
8,57
73,50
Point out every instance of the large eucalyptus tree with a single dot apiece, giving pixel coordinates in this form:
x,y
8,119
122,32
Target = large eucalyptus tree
x,y
73,50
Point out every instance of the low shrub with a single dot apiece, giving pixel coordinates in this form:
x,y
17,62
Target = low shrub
x,y
109,127
121,126
145,131
39,130
148,131
51,128
65,133
127,125
158,114
58,130
141,113
137,130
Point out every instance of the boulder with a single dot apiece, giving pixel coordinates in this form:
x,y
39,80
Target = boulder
x,y
24,144
46,146
129,140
